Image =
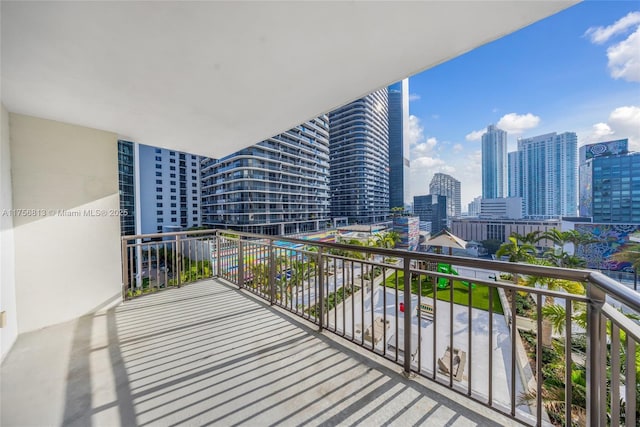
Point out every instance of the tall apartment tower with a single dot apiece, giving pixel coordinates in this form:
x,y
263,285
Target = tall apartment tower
x,y
359,159
515,174
494,163
169,190
446,185
432,209
126,186
399,144
279,186
549,175
610,182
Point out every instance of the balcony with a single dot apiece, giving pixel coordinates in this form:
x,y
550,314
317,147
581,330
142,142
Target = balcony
x,y
238,328
208,353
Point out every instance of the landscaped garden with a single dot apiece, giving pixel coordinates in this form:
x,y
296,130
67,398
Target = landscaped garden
x,y
480,293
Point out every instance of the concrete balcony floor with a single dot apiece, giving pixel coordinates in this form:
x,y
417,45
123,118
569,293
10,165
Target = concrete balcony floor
x,y
210,354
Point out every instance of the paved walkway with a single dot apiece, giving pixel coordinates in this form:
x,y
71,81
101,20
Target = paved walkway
x,y
209,354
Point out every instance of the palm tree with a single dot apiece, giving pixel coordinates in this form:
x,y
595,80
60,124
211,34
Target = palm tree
x,y
630,253
551,284
531,238
515,251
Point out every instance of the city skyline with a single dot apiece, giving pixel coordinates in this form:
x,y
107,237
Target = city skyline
x,y
576,71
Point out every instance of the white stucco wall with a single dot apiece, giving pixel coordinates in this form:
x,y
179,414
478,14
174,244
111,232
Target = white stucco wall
x,y
67,264
9,332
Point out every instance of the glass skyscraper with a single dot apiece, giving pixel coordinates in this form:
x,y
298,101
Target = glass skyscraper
x,y
398,143
494,163
279,186
446,185
610,183
359,159
549,175
126,185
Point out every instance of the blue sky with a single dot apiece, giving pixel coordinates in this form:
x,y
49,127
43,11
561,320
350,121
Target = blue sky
x,y
576,71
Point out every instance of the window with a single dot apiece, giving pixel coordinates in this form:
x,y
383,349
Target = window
x,y
172,168
158,182
158,173
173,197
195,219
158,212
158,150
173,220
194,192
160,220
173,183
158,189
158,158
172,153
174,213
173,190
194,171
158,205
159,197
173,175
195,199
173,205
158,166
172,160
159,229
195,205
193,184
193,163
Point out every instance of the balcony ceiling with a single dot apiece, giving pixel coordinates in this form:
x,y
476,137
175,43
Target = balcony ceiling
x,y
213,77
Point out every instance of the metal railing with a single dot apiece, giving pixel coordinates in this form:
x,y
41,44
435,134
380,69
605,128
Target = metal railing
x,y
499,343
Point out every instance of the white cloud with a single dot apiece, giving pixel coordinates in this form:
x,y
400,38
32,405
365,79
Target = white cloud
x,y
414,97
416,131
457,148
517,123
623,122
624,58
475,135
624,61
600,35
601,130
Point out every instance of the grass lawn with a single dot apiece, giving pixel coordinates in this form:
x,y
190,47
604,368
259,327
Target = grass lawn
x,y
460,292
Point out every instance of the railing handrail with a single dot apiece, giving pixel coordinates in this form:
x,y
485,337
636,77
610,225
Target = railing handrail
x,y
613,288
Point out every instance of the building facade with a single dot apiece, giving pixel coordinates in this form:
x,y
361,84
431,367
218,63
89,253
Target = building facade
x,y
431,208
398,144
610,183
359,159
549,175
473,207
500,229
504,207
515,174
446,185
127,187
494,163
278,186
169,190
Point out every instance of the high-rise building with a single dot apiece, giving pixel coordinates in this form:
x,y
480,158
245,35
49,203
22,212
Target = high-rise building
x,y
431,208
494,163
549,175
473,208
610,183
278,186
359,159
169,190
446,185
515,174
398,144
126,186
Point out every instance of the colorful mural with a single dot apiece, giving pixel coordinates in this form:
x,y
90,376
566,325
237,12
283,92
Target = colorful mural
x,y
609,238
